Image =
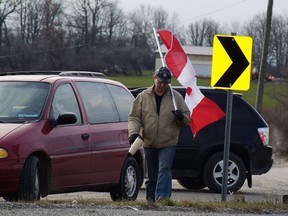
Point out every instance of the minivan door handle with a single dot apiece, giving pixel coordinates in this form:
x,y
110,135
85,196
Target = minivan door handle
x,y
85,136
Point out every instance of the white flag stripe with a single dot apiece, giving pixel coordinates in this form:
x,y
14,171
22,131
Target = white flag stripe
x,y
190,103
187,79
187,74
194,99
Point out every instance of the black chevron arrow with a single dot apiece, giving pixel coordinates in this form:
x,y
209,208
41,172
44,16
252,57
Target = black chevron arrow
x,y
239,62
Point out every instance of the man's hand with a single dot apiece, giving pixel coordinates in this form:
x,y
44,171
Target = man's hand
x,y
132,138
178,115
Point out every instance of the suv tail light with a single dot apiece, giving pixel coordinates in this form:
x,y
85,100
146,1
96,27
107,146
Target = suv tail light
x,y
264,135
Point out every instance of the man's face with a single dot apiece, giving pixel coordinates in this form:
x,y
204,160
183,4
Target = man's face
x,y
160,87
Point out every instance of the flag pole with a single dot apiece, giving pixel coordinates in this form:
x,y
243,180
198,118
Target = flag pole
x,y
164,65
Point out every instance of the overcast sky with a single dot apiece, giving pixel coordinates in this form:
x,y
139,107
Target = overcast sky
x,y
223,11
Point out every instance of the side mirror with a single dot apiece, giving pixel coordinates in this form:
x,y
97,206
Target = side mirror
x,y
65,118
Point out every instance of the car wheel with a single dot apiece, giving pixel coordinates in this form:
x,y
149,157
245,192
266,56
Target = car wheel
x,y
213,173
129,183
191,183
29,188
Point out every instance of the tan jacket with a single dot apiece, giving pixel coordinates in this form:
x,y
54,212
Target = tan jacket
x,y
157,130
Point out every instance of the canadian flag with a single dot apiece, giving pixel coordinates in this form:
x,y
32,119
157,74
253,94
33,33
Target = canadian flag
x,y
203,110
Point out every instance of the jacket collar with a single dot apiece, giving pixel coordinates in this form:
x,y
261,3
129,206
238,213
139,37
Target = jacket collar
x,y
150,90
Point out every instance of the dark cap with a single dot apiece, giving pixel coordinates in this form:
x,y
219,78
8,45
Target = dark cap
x,y
163,75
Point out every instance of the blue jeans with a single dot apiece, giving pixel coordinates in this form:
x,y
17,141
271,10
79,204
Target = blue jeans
x,y
158,164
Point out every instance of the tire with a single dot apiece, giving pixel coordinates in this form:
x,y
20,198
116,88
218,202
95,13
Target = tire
x,y
191,183
129,183
213,173
10,198
29,187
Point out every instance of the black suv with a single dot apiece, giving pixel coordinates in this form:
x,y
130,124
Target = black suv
x,y
199,161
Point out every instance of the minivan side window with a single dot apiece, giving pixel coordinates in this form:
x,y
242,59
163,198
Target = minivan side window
x,y
98,102
65,101
123,100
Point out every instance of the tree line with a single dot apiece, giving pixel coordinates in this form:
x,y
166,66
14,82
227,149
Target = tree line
x,y
97,35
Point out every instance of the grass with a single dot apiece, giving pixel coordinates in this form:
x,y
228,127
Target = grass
x,y
238,205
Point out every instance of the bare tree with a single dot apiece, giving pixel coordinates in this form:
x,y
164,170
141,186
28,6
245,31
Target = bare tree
x,y
48,28
141,22
160,18
279,45
41,32
114,21
163,20
255,28
277,53
27,31
87,18
177,29
29,14
52,34
140,26
234,27
7,7
201,32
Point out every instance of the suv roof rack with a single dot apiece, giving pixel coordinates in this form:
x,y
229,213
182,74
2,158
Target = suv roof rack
x,y
83,73
59,73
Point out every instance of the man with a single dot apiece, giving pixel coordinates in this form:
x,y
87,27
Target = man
x,y
153,117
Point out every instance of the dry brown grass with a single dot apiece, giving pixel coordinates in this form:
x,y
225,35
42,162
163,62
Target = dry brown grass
x,y
238,204
277,118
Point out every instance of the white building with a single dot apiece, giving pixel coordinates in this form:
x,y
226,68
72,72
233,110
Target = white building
x,y
200,57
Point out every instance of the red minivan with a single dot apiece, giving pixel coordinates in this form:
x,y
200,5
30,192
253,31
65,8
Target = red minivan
x,y
62,133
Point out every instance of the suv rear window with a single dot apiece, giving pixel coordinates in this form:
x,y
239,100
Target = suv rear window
x,y
22,101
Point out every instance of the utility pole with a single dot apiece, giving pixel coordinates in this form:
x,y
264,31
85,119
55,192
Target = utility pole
x,y
260,87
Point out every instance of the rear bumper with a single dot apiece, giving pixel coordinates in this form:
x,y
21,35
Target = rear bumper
x,y
262,161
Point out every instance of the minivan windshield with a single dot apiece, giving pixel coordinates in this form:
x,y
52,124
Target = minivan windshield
x,y
22,101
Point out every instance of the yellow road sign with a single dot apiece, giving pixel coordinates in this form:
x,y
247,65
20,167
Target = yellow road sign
x,y
231,62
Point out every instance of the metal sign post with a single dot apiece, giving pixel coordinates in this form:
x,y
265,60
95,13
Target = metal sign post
x,y
227,144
